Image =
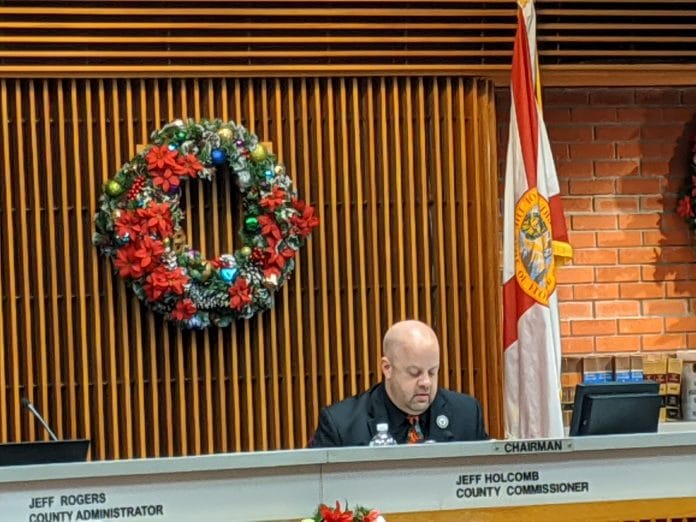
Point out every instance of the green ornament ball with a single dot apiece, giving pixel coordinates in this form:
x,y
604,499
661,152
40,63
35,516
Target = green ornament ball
x,y
251,223
114,188
181,135
245,251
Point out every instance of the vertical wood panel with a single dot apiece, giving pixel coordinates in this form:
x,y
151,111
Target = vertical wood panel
x,y
402,174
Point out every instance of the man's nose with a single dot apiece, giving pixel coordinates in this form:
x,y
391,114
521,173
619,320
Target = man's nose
x,y
424,381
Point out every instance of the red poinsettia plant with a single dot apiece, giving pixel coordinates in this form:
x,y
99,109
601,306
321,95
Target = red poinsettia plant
x,y
336,514
686,205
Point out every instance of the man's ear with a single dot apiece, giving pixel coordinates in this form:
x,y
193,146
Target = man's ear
x,y
386,367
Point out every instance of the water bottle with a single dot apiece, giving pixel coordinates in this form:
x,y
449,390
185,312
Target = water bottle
x,y
382,437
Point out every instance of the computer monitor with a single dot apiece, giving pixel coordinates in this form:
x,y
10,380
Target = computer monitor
x,y
615,407
43,452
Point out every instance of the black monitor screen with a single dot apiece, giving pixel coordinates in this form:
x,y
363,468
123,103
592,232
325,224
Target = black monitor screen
x,y
617,407
43,452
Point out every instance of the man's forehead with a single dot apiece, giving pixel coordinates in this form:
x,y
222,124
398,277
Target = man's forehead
x,y
426,367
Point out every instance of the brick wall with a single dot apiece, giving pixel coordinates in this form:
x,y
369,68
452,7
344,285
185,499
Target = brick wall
x,y
622,156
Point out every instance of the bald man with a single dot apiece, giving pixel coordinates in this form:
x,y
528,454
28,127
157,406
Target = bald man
x,y
408,399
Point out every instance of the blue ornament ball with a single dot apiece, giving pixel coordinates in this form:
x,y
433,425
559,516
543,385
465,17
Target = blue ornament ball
x,y
172,146
218,156
269,174
228,275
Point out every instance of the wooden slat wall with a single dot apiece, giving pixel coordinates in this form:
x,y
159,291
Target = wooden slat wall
x,y
403,173
639,41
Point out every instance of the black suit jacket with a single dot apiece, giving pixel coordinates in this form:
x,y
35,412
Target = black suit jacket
x,y
353,421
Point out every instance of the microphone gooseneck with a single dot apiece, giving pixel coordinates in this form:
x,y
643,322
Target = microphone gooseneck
x,y
29,406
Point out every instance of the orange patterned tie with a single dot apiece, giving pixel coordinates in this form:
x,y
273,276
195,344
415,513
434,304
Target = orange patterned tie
x,y
415,435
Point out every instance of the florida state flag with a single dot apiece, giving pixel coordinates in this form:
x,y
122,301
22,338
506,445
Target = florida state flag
x,y
534,233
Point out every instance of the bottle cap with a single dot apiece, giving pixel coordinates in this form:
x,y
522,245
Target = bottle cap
x,y
382,426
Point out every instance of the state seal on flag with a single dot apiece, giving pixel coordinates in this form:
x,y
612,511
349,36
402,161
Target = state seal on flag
x,y
534,263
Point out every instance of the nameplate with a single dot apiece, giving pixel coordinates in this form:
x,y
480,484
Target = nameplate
x,y
515,447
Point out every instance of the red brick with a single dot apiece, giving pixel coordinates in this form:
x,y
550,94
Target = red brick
x,y
595,256
564,293
564,133
638,255
651,220
681,288
666,272
592,151
593,114
673,184
589,292
678,254
618,343
639,186
650,290
628,150
657,237
593,186
664,307
563,187
582,239
559,151
616,168
690,341
556,115
577,345
658,202
666,131
618,274
647,149
654,167
688,95
677,114
664,342
642,325
575,310
619,238
574,274
630,114
671,222
621,308
577,204
593,327
565,97
612,96
657,96
617,133
680,324
593,222
616,204
565,328
574,169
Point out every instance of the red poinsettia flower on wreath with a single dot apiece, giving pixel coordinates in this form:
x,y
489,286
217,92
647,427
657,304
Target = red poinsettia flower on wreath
x,y
306,220
160,157
127,263
240,294
686,205
184,310
163,281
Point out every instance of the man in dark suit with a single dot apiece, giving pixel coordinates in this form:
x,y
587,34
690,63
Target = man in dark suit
x,y
408,399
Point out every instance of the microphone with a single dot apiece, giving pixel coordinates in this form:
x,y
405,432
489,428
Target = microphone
x,y
29,406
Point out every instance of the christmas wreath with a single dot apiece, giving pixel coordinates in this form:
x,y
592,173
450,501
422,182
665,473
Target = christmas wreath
x,y
139,225
358,514
686,205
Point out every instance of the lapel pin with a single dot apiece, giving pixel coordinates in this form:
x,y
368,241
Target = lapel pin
x,y
442,421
